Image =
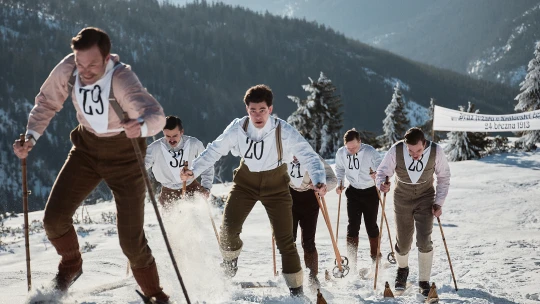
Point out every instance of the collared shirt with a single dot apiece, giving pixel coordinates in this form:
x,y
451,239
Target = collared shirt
x,y
442,171
356,167
190,148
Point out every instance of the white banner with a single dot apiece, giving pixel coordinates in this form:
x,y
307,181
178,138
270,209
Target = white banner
x,y
451,120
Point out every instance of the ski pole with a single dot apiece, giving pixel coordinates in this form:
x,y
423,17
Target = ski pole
x,y
379,241
393,259
25,194
184,184
338,212
212,220
140,160
274,254
447,253
324,211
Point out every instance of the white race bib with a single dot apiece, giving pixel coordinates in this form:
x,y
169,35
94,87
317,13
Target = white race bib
x,y
415,168
174,160
258,155
354,163
93,100
296,173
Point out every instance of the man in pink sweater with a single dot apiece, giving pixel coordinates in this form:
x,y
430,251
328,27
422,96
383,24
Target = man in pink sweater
x,y
102,89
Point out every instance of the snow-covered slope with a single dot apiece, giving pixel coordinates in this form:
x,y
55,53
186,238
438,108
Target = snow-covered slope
x,y
491,222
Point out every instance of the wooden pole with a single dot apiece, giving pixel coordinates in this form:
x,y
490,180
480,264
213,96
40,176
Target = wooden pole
x,y
379,241
25,193
324,210
338,212
447,254
385,217
140,160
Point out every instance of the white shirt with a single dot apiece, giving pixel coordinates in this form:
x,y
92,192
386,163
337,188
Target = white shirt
x,y
259,156
442,171
356,167
156,160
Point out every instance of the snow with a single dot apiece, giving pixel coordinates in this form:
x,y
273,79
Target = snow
x,y
491,222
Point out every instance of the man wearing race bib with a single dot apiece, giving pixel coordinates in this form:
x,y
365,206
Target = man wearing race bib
x,y
166,157
101,89
265,144
354,161
305,211
414,161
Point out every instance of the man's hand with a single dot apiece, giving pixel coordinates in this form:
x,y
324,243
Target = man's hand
x,y
437,210
186,174
339,189
385,187
373,174
22,150
132,128
320,189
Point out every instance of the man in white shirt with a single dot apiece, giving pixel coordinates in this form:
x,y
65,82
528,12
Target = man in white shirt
x,y
265,144
414,161
166,157
354,161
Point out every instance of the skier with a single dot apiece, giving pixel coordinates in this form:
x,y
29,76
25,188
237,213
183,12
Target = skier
x,y
353,162
305,210
166,157
415,160
264,143
102,150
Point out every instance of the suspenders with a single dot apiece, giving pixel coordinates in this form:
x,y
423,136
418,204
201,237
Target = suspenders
x,y
279,145
112,100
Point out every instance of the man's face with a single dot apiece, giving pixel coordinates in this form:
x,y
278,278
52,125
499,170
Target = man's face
x,y
416,151
259,113
90,64
173,136
353,146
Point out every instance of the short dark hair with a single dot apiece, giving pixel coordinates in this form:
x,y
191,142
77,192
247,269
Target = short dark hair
x,y
351,135
259,93
90,36
414,135
173,122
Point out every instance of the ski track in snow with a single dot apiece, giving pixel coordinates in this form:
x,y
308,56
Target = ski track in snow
x,y
491,221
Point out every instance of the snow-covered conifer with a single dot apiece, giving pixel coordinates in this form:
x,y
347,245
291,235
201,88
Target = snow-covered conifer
x,y
529,100
318,118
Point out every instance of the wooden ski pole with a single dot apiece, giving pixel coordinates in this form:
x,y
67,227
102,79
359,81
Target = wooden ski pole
x,y
212,219
25,194
140,160
274,254
184,184
338,212
379,241
324,210
447,254
385,220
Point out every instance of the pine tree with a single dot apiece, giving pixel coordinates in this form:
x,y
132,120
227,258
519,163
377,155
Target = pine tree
x,y
318,118
396,122
529,100
466,145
